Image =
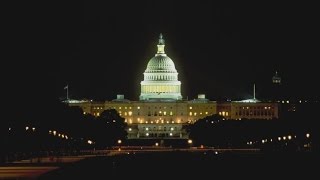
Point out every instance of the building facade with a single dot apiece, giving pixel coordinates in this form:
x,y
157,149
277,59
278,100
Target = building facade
x,y
161,111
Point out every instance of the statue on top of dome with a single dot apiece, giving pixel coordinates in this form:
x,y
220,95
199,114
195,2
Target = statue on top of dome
x,y
161,40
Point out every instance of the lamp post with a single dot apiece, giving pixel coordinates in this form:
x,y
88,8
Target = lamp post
x,y
119,144
190,142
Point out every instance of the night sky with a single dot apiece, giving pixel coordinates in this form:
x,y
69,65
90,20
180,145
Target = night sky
x,y
102,49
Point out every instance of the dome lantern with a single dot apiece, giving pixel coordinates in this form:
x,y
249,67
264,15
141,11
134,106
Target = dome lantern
x,y
161,45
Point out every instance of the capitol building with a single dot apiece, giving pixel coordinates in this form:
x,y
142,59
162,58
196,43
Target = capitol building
x,y
162,113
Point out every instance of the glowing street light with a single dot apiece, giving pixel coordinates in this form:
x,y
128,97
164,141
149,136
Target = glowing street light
x,y
284,138
307,135
289,137
90,142
157,144
27,128
119,141
189,141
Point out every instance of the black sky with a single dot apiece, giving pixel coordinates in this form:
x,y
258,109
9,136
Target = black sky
x,y
102,49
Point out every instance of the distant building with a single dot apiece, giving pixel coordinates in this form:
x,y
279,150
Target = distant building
x,y
161,111
276,79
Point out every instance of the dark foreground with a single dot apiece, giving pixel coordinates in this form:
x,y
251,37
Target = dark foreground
x,y
186,165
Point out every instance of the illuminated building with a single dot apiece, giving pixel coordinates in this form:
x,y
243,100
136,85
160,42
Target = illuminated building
x,y
162,113
276,79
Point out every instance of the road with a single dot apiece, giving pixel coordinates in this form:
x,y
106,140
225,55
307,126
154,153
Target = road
x,y
147,163
24,172
183,165
33,168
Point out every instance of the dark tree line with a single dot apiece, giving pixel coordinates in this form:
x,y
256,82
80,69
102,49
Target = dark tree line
x,y
216,131
59,129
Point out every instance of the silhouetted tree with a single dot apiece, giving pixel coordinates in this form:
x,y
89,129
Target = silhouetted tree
x,y
110,128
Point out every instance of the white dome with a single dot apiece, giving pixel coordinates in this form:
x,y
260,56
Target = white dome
x,y
161,77
161,63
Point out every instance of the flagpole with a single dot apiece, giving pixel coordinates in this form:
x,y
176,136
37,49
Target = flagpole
x,y
67,92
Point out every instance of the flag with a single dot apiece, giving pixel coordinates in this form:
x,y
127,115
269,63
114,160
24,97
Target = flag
x,y
66,87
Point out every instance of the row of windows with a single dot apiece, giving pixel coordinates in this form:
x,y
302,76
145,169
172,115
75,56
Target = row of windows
x,y
159,128
195,113
159,134
160,113
207,107
255,113
224,113
161,77
159,121
127,113
160,88
259,107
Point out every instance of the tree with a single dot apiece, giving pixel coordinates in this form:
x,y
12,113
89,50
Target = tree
x,y
110,128
205,130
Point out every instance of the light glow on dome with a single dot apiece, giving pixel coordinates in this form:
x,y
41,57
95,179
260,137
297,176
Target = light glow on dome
x,y
160,77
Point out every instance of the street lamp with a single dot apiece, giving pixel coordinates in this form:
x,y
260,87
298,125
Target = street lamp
x,y
119,143
307,135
